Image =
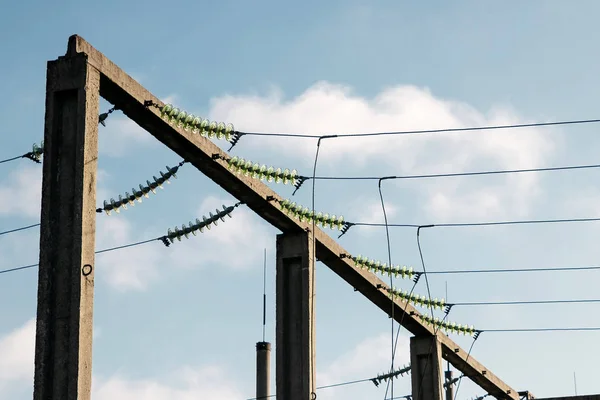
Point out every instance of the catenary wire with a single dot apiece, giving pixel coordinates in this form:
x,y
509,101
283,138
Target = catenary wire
x,y
19,229
10,159
458,174
390,383
97,252
441,130
513,270
466,360
487,223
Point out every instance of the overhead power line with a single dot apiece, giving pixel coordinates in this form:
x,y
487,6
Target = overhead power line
x,y
514,270
4,271
524,302
475,224
19,229
456,174
413,132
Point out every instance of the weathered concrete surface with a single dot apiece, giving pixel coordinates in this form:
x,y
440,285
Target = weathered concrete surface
x,y
295,329
63,352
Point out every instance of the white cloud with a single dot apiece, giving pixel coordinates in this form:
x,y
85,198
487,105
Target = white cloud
x,y
187,383
368,359
327,108
235,244
20,195
17,349
120,136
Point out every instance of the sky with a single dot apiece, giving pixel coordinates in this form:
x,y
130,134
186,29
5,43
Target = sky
x,y
182,322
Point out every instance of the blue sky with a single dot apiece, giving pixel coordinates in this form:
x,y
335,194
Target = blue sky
x,y
182,322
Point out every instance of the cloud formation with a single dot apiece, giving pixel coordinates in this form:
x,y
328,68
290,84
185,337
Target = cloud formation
x,y
327,108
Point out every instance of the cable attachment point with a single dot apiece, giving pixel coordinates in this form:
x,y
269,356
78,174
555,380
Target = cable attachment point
x,y
299,181
184,231
448,308
235,137
417,277
262,172
476,334
448,326
391,375
345,228
136,195
36,153
306,215
376,266
105,115
197,125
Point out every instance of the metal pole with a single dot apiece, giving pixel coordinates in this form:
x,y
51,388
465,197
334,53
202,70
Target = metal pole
x,y
263,370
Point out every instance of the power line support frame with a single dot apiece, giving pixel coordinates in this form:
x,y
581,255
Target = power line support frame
x,y
295,330
132,98
63,347
426,368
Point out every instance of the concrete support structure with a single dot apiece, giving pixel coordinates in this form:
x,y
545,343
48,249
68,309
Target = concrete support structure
x,y
132,99
63,349
449,385
263,370
426,368
295,330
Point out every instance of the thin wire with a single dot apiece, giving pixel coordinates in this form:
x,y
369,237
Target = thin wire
x,y
400,326
511,303
412,132
466,360
430,303
389,251
314,252
4,271
457,174
489,223
332,385
19,229
576,329
482,271
10,159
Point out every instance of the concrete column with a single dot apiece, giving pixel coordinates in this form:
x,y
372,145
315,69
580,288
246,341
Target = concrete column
x,y
450,385
63,347
263,370
295,330
426,368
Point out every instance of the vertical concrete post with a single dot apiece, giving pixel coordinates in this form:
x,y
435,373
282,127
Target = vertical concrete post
x,y
263,370
450,385
63,347
295,330
426,368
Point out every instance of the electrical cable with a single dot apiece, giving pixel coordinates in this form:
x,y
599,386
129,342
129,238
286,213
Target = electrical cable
x,y
19,229
526,302
466,360
389,251
438,326
10,159
513,270
314,243
488,223
457,174
412,132
97,252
